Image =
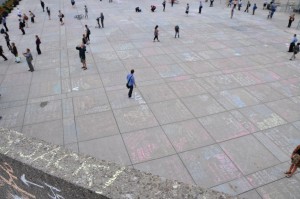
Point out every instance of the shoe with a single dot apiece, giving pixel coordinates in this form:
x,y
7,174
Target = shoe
x,y
5,59
84,68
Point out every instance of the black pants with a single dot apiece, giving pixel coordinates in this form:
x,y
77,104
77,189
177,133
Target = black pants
x,y
291,48
43,8
23,31
164,7
32,19
88,37
3,56
155,37
38,49
247,9
30,66
130,91
4,24
290,23
176,34
211,4
102,23
200,9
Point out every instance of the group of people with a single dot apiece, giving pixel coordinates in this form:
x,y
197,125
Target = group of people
x,y
294,47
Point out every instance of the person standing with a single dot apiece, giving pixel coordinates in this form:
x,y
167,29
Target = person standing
x,y
254,8
48,12
176,31
247,7
211,3
293,43
291,19
82,50
295,51
172,2
87,33
240,4
29,59
200,7
187,9
130,82
232,12
156,33
86,12
164,5
6,37
102,19
31,16
43,5
1,54
4,23
61,16
14,51
295,160
38,43
21,26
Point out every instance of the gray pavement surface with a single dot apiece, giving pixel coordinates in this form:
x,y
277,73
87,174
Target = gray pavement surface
x,y
218,107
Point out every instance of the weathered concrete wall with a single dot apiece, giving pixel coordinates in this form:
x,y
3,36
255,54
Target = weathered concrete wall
x,y
30,168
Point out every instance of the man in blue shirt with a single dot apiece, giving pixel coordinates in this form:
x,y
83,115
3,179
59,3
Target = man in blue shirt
x,y
130,83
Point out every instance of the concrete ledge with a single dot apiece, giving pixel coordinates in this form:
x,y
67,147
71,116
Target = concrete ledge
x,y
30,168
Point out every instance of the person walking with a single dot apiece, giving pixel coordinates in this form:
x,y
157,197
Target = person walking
x,y
295,51
21,26
82,50
156,33
48,12
265,4
254,8
87,33
32,16
43,5
240,5
130,82
164,5
38,43
14,51
232,12
86,12
29,59
200,7
102,19
187,9
176,31
4,23
293,43
172,2
61,16
211,3
25,20
247,6
1,54
272,11
295,162
291,19
6,37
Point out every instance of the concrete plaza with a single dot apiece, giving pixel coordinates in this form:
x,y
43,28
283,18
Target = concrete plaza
x,y
219,107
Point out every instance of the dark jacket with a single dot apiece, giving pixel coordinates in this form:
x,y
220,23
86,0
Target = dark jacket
x,y
14,50
81,52
38,41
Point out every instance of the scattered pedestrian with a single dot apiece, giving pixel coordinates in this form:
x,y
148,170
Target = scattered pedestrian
x,y
25,20
240,4
295,51
232,12
176,31
102,19
164,5
291,19
1,54
247,6
200,7
82,50
86,12
172,2
254,8
14,51
43,5
32,16
187,9
29,59
156,33
265,4
38,43
21,26
4,23
211,3
73,3
272,11
87,33
48,12
137,9
6,37
61,16
84,39
98,22
153,7
19,13
293,43
130,83
295,159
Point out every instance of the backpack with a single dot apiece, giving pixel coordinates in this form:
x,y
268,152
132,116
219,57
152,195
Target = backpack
x,y
176,28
